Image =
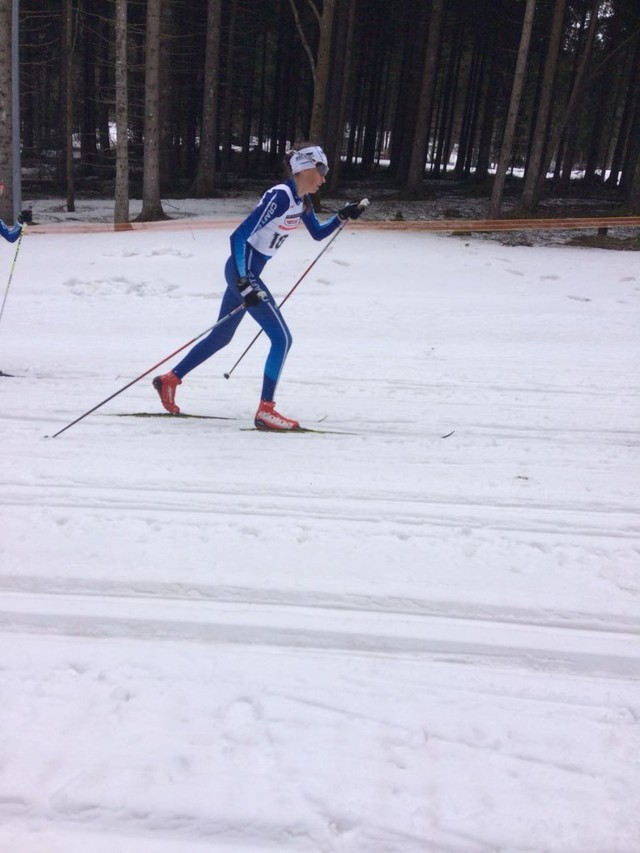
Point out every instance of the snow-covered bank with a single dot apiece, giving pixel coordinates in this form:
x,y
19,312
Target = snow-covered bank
x,y
380,642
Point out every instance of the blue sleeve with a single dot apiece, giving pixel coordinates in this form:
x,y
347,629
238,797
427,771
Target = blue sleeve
x,y
319,230
10,234
274,203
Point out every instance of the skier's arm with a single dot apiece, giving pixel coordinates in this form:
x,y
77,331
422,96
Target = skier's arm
x,y
319,230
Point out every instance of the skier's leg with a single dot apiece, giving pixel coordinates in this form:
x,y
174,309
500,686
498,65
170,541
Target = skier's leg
x,y
217,339
276,328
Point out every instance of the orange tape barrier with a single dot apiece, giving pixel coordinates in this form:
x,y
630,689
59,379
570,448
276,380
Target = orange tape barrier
x,y
464,225
508,224
110,227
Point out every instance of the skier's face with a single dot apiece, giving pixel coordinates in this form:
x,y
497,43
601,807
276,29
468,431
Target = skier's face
x,y
309,181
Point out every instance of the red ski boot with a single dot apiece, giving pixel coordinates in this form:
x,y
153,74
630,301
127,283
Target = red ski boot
x,y
268,418
166,387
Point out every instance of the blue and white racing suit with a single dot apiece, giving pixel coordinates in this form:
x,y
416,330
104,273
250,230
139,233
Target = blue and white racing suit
x,y
253,242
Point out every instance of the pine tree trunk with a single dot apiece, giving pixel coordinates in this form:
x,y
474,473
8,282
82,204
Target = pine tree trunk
x,y
506,151
629,178
468,126
575,99
317,125
68,103
630,97
121,212
6,112
228,99
415,173
335,125
533,179
151,202
88,96
633,199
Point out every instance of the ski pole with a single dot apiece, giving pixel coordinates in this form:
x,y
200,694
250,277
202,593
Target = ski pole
x,y
13,266
150,370
311,265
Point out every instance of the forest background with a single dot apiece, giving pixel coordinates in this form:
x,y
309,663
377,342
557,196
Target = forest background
x,y
518,101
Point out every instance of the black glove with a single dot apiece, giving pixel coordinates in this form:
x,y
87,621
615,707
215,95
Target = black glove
x,y
251,294
353,210
25,217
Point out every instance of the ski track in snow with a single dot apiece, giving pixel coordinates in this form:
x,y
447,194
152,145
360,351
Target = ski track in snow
x,y
310,621
378,642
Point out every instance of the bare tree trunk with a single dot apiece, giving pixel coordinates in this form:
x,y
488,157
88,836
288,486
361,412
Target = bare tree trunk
x,y
631,165
227,104
595,155
506,151
203,184
88,96
151,202
121,212
317,124
421,136
333,145
633,199
302,34
103,83
532,181
68,103
633,75
6,112
575,98
320,64
488,110
629,98
470,114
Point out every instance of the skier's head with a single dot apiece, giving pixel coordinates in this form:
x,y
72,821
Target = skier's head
x,y
305,157
308,166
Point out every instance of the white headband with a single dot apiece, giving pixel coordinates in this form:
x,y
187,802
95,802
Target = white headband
x,y
307,158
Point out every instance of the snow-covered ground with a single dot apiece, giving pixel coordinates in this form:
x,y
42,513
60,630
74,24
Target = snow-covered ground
x,y
374,640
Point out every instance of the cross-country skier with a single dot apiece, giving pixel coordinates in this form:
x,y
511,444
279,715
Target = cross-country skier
x,y
253,243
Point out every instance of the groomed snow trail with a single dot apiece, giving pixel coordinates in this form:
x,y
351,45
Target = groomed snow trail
x,y
378,642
